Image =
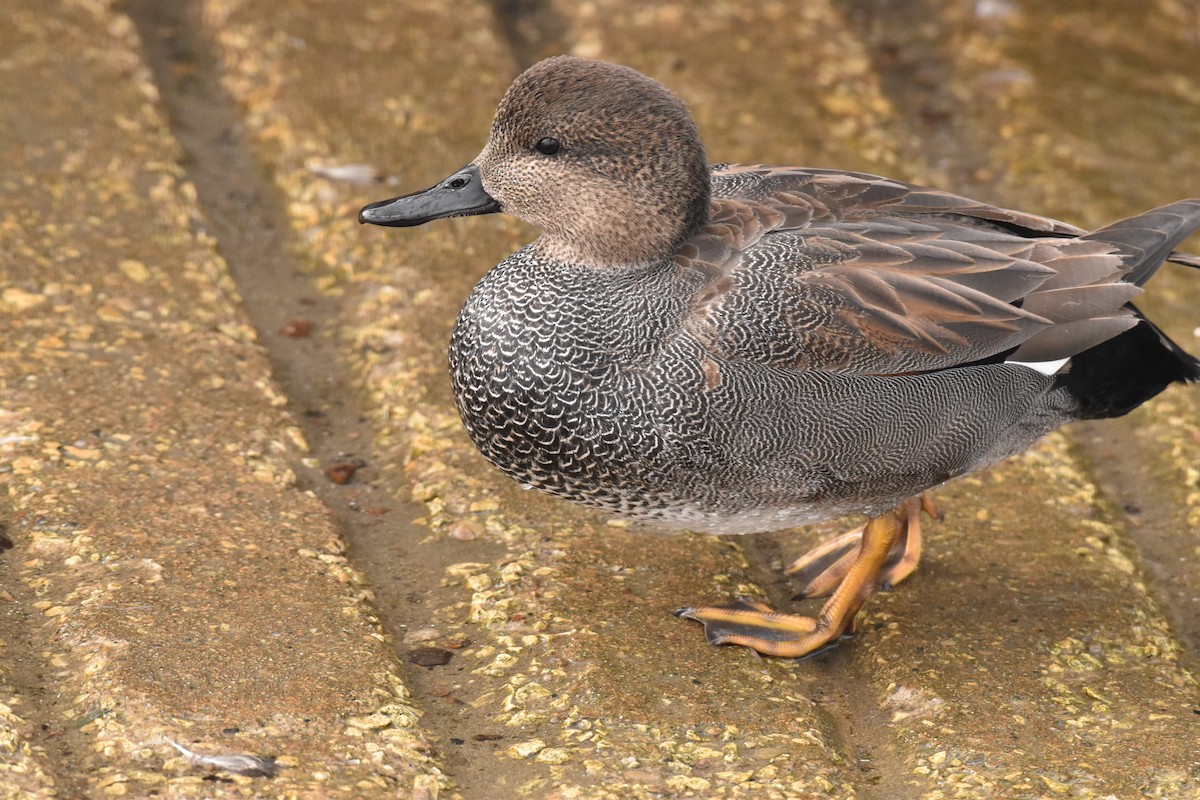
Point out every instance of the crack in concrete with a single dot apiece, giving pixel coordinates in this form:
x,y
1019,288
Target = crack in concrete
x,y
1153,520
249,222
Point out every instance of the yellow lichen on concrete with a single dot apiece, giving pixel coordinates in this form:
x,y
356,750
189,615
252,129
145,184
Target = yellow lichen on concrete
x,y
152,501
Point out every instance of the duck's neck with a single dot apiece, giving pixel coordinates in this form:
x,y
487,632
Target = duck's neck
x,y
599,239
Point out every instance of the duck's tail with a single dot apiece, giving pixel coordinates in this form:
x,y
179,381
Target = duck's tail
x,y
1118,375
1144,242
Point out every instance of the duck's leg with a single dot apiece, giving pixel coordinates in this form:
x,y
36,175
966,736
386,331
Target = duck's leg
x,y
757,626
823,568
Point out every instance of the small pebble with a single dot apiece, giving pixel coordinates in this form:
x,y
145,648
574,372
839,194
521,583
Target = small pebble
x,y
341,473
463,531
527,749
421,635
429,656
298,328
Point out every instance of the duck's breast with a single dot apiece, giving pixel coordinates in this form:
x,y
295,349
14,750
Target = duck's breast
x,y
551,369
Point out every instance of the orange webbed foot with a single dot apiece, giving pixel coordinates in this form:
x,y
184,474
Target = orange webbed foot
x,y
822,568
885,551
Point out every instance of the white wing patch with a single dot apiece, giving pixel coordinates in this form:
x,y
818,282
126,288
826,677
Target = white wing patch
x,y
1044,367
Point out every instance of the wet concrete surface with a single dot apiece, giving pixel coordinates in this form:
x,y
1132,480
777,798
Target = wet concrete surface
x,y
187,355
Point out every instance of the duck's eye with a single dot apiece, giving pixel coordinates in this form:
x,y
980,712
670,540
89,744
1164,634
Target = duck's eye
x,y
548,146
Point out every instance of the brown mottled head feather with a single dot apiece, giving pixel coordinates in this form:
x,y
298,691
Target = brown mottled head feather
x,y
630,181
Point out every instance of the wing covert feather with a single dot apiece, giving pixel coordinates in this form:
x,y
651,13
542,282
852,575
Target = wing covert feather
x,y
815,269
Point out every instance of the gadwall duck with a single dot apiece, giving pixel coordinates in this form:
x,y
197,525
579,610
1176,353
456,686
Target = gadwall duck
x,y
741,348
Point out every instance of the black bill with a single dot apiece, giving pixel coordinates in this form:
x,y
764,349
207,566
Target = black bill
x,y
460,195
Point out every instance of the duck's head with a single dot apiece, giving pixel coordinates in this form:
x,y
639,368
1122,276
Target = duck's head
x,y
604,160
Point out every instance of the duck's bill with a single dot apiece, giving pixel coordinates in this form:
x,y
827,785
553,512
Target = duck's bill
x,y
460,195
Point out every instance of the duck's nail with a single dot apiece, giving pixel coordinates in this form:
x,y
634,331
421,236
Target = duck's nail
x,y
460,195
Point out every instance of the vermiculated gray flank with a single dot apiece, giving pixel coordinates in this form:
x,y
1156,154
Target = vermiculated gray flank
x,y
746,348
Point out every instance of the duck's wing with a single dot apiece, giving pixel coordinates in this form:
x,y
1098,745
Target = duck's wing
x,y
816,269
863,191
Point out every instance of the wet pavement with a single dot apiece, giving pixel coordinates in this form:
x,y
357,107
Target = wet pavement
x,y
196,335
